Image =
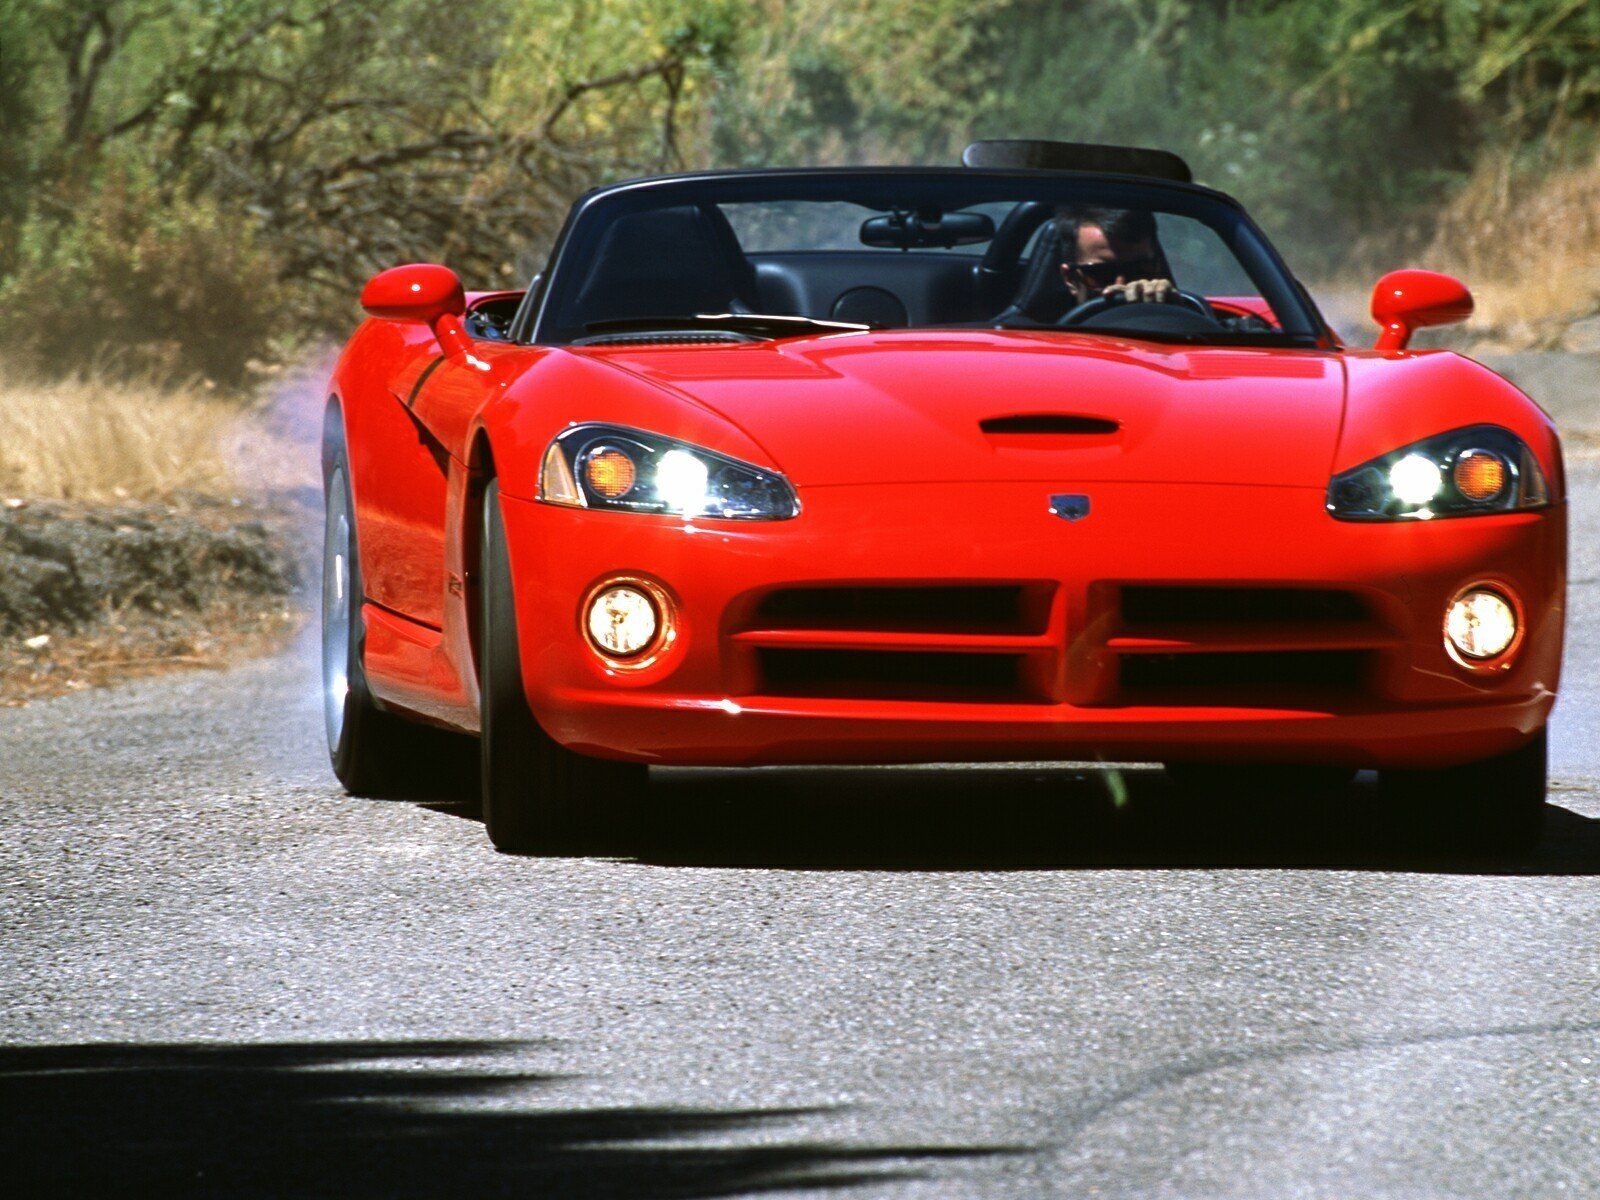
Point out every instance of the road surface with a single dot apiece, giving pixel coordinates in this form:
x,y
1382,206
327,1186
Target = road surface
x,y
221,976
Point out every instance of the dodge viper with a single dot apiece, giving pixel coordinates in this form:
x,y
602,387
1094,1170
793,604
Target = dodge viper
x,y
1046,456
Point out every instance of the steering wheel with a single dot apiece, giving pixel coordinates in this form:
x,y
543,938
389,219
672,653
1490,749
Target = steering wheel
x,y
1096,305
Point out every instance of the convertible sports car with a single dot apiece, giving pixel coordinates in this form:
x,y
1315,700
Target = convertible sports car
x,y
1043,457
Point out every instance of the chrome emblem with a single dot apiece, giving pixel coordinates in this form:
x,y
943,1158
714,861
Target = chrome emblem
x,y
1069,506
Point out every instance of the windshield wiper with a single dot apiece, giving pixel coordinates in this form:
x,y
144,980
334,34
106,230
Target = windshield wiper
x,y
769,325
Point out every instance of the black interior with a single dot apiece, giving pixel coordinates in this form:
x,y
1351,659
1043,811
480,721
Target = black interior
x,y
669,262
1000,270
905,289
491,319
684,261
665,248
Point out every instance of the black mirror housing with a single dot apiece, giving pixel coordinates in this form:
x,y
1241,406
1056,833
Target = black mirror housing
x,y
921,230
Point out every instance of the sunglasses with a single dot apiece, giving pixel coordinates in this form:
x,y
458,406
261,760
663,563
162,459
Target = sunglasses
x,y
1103,274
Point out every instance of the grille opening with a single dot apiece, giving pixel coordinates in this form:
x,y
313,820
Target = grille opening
x,y
1047,423
976,609
886,675
1153,605
1223,671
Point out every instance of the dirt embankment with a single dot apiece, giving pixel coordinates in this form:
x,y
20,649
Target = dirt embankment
x,y
149,526
97,592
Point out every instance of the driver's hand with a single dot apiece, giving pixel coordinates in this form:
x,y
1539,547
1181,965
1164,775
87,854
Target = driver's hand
x,y
1141,291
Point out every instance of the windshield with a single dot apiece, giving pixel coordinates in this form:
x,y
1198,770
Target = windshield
x,y
891,249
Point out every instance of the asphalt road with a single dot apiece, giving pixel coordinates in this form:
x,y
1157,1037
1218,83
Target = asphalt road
x,y
221,976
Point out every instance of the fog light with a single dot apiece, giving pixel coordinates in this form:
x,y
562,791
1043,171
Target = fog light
x,y
623,621
1480,624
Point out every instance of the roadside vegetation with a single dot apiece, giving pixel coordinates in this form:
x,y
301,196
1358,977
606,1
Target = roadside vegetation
x,y
146,527
191,193
197,189
1530,246
107,439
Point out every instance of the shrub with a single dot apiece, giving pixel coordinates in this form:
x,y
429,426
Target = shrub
x,y
135,285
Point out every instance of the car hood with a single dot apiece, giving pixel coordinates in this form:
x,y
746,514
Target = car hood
x,y
924,407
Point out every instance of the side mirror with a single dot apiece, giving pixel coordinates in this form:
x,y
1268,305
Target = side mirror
x,y
424,292
1406,301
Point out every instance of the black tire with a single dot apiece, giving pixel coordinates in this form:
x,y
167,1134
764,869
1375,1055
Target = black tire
x,y
538,796
1493,806
373,752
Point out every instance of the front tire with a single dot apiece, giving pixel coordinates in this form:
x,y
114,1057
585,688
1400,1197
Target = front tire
x,y
538,796
373,753
1496,805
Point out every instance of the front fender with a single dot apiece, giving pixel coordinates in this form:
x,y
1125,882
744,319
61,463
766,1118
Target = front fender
x,y
1397,399
562,389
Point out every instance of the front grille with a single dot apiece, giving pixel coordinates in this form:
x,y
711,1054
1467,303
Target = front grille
x,y
1228,672
945,609
1146,604
1109,644
1274,646
888,675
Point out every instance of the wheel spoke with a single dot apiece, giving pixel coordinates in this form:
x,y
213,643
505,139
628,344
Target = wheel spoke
x,y
336,609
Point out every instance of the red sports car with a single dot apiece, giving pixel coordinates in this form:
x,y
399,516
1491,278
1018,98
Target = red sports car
x,y
880,465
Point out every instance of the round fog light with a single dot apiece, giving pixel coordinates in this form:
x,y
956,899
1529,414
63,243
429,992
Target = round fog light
x,y
1480,624
622,621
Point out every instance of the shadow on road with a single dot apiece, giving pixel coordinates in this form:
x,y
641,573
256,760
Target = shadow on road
x,y
377,1119
1028,818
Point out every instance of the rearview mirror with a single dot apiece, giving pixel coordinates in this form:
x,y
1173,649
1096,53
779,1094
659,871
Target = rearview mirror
x,y
424,292
903,230
1406,301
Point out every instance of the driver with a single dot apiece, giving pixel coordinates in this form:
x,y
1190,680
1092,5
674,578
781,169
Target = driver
x,y
1086,253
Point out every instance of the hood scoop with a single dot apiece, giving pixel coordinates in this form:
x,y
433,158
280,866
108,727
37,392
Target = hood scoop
x,y
1048,423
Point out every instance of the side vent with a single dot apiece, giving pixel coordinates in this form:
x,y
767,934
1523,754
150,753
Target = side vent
x,y
1048,423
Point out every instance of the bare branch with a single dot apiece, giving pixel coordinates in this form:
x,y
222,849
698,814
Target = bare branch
x,y
576,90
83,74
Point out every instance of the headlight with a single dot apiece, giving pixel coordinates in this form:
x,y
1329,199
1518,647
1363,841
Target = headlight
x,y
628,470
1480,469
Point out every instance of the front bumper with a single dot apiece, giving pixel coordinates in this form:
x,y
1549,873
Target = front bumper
x,y
710,699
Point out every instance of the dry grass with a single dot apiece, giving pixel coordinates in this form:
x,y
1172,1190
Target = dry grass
x,y
91,439
1529,248
96,439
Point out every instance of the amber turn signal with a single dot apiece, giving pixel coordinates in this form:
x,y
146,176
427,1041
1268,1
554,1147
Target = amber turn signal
x,y
1479,474
610,472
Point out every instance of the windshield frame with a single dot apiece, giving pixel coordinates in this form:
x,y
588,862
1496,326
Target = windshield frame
x,y
1300,322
